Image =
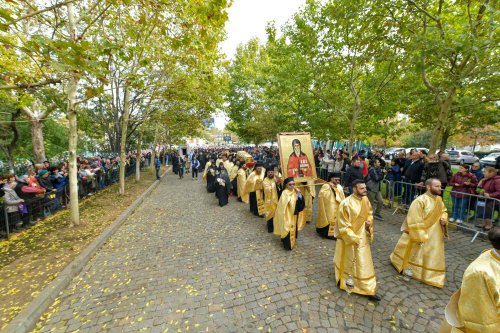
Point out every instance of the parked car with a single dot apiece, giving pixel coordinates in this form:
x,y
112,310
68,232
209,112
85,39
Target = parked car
x,y
407,150
489,160
391,153
462,157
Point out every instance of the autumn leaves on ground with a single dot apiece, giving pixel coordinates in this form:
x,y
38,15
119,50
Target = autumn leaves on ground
x,y
30,260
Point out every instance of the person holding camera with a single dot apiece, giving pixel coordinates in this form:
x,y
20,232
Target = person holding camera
x,y
375,176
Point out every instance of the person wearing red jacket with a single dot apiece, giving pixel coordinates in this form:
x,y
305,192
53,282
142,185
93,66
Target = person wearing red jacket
x,y
491,190
464,183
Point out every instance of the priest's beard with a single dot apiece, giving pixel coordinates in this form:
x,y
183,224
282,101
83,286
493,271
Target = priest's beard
x,y
435,191
297,151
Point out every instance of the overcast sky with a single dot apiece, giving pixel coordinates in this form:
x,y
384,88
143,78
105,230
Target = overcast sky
x,y
248,19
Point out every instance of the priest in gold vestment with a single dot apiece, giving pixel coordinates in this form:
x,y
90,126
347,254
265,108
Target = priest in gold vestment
x,y
419,253
475,307
270,197
240,183
255,190
329,198
354,271
290,205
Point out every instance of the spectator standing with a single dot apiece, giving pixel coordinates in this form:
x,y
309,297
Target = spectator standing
x,y
12,200
412,174
490,186
157,167
325,163
435,168
195,166
181,166
463,183
477,171
375,176
394,177
353,173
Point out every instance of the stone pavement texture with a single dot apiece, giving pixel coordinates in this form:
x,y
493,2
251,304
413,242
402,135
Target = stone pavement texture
x,y
181,263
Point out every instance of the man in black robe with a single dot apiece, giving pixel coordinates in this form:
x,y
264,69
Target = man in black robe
x,y
211,170
222,185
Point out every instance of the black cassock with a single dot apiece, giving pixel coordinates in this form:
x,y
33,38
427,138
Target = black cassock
x,y
211,185
222,185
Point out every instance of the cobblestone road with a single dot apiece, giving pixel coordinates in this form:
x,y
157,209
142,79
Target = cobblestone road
x,y
181,263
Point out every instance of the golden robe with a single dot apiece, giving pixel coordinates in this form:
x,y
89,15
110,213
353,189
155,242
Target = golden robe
x,y
233,172
285,221
421,246
254,184
206,169
242,177
479,301
270,197
353,256
328,206
309,193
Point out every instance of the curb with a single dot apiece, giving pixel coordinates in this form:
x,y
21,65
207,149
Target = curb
x,y
26,319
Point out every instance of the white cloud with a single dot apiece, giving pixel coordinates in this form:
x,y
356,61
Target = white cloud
x,y
248,19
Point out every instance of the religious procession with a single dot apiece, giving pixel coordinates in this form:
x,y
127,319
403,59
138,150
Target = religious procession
x,y
280,187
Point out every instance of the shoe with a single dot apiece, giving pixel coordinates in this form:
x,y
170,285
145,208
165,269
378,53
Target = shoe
x,y
479,225
451,219
459,221
375,298
378,217
488,225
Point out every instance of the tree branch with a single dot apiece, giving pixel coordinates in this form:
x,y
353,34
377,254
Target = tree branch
x,y
432,17
28,86
41,11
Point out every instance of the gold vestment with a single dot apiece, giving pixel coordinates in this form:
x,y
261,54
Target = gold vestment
x,y
285,222
242,177
254,184
479,302
353,256
421,246
270,197
233,172
328,206
206,169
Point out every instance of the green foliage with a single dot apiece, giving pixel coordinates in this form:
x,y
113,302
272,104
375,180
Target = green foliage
x,y
421,138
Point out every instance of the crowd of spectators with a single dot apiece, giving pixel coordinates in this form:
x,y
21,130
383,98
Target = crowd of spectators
x,y
43,188
473,189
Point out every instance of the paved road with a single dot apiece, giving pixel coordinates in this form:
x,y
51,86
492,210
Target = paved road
x,y
181,263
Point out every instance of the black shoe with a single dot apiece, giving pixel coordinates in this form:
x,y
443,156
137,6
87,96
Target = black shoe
x,y
375,298
378,217
479,225
331,237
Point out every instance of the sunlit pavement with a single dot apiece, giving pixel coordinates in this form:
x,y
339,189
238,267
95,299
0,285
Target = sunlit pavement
x,y
182,263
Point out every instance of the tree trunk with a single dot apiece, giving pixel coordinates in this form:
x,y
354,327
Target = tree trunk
x,y
153,153
37,140
73,128
475,143
73,143
352,125
440,126
139,152
444,140
123,141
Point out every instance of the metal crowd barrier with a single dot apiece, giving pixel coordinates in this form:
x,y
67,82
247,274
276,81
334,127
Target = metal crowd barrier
x,y
464,213
40,207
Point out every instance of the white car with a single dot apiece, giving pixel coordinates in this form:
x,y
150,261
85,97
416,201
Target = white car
x,y
462,157
407,150
489,160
